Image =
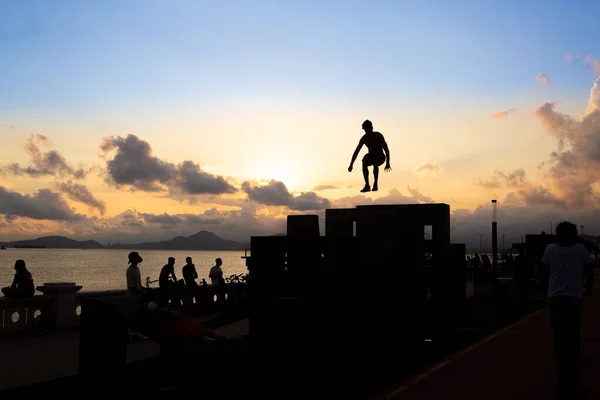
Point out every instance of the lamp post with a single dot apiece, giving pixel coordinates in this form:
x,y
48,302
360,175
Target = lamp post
x,y
494,239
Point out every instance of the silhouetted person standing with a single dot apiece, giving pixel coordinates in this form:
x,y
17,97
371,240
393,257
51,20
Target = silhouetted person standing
x,y
190,275
567,260
189,272
135,290
216,273
218,283
22,285
134,280
166,286
376,144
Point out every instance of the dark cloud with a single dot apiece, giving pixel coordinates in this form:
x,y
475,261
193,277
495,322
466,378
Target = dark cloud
x,y
45,163
275,193
319,188
82,194
515,219
43,205
190,179
132,226
169,221
135,165
166,221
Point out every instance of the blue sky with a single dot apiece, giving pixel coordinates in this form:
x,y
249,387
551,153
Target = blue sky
x,y
151,53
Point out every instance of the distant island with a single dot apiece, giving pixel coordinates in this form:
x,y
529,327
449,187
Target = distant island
x,y
202,240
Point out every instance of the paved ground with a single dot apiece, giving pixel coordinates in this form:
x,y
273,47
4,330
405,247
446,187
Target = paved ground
x,y
515,363
27,359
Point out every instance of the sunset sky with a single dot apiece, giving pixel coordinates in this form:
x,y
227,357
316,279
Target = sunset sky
x,y
143,120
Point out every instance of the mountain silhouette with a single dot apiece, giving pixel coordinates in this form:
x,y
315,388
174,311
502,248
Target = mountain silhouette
x,y
202,240
57,242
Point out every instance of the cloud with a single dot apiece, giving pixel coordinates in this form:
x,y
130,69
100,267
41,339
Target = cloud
x,y
45,163
429,170
594,100
319,188
514,220
543,79
551,119
275,193
135,165
43,205
132,226
82,194
190,179
574,169
593,64
527,193
499,179
394,196
589,61
572,58
504,114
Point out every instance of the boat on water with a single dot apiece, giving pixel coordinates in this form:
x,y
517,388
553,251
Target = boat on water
x,y
3,248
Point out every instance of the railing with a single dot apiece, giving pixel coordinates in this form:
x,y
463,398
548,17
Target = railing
x,y
19,314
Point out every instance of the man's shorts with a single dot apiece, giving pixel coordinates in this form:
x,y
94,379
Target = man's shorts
x,y
374,159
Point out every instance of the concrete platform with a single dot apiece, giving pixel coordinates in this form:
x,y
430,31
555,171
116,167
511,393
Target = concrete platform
x,y
516,363
28,359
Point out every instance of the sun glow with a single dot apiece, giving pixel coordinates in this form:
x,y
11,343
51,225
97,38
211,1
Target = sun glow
x,y
279,169
290,180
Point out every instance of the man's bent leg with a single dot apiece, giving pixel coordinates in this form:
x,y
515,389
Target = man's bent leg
x,y
365,170
375,177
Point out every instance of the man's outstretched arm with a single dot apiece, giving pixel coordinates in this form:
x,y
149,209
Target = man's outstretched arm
x,y
360,145
387,156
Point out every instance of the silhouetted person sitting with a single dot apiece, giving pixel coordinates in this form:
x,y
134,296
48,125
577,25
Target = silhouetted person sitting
x,y
22,285
567,260
168,288
376,144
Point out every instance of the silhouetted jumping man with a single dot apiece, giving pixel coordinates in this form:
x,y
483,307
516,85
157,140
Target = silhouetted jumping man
x,y
376,144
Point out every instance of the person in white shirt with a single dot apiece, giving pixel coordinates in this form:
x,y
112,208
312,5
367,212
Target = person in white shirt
x,y
567,260
216,273
217,281
134,280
